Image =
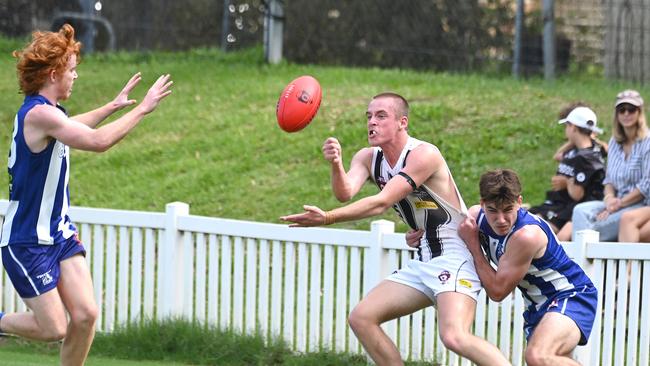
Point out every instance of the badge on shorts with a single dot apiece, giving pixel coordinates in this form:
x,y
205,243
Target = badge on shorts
x,y
444,277
465,283
46,278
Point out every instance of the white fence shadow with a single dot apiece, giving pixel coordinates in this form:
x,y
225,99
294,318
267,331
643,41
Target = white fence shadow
x,y
300,284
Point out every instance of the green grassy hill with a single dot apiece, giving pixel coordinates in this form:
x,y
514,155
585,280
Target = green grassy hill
x,y
215,144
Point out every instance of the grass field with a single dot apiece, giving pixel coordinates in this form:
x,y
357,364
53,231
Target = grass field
x,y
176,342
18,358
214,143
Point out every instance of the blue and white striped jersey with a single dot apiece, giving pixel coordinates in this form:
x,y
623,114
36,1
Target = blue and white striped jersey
x,y
548,275
424,209
38,188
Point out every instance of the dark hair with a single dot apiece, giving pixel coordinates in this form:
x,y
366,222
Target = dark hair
x,y
564,112
401,105
500,186
584,131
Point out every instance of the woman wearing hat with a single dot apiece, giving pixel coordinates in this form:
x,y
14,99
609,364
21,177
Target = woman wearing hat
x,y
627,180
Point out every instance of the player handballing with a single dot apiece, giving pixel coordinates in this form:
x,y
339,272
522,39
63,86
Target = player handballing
x,y
412,177
40,249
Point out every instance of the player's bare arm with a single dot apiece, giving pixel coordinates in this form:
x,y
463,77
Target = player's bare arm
x,y
96,116
346,185
395,190
426,165
525,245
44,122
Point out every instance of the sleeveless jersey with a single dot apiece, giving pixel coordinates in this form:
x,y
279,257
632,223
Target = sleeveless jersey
x,y
548,275
423,208
38,188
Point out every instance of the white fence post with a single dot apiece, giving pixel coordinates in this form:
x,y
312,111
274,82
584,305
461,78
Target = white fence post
x,y
171,286
374,261
582,354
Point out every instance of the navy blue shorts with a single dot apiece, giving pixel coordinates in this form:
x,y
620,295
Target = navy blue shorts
x,y
35,269
578,304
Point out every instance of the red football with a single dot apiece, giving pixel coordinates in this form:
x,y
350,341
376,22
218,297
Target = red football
x,y
298,103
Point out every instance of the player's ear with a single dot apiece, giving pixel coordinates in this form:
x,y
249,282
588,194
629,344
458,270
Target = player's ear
x,y
404,122
53,75
520,200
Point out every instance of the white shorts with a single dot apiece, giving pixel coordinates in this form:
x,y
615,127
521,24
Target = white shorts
x,y
440,274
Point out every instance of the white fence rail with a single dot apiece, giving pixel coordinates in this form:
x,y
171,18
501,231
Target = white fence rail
x,y
300,284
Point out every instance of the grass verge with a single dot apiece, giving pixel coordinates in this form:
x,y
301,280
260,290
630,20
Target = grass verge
x,y
178,342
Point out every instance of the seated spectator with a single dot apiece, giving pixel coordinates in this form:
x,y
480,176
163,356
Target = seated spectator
x,y
559,153
635,226
579,176
627,179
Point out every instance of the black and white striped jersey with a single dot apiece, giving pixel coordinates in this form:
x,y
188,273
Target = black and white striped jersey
x,y
423,208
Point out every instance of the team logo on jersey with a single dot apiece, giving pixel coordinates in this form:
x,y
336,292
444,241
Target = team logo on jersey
x,y
465,283
444,276
381,182
45,278
426,205
580,177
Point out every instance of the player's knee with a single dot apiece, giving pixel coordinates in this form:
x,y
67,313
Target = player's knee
x,y
54,332
536,357
454,340
359,319
85,316
355,319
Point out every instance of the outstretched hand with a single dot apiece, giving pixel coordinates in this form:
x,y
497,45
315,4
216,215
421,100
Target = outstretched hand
x,y
158,91
313,216
122,99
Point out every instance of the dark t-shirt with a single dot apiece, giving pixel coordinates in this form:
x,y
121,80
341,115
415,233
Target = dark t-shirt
x,y
587,167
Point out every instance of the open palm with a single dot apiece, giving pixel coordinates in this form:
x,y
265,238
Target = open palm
x,y
122,99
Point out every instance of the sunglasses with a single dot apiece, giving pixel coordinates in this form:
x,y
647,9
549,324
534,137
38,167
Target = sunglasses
x,y
627,108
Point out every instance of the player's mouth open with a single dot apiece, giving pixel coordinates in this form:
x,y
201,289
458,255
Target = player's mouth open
x,y
372,133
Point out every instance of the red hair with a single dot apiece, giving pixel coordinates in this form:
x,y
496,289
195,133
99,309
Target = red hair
x,y
48,51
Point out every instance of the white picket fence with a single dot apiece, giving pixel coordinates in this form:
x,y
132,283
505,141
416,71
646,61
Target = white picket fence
x,y
300,284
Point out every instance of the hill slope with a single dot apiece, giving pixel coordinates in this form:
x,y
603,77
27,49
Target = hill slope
x,y
214,143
